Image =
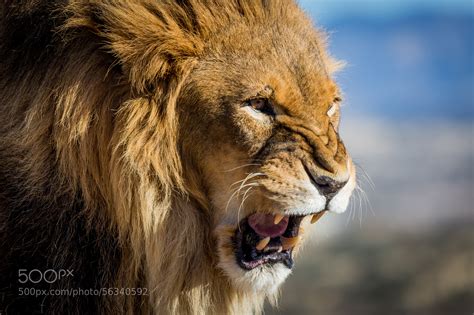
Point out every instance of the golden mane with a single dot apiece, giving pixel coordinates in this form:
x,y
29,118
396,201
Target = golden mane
x,y
90,124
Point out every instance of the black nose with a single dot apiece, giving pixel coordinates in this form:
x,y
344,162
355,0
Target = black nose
x,y
327,186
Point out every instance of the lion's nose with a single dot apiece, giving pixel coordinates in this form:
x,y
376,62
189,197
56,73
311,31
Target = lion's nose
x,y
326,186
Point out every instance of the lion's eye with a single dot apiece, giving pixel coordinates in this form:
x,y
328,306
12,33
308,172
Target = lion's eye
x,y
332,110
261,105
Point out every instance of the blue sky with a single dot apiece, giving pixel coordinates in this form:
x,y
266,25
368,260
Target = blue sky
x,y
327,10
406,58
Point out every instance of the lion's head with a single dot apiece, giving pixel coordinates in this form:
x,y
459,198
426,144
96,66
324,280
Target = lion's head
x,y
259,121
205,131
260,116
241,116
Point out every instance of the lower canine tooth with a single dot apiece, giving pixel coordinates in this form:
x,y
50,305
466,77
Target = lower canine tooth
x,y
316,217
288,243
263,243
278,218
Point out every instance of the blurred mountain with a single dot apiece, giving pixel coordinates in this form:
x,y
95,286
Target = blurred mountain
x,y
418,65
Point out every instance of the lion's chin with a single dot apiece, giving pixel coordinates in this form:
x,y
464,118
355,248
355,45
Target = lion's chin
x,y
264,279
257,255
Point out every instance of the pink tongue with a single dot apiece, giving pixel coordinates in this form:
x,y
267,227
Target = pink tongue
x,y
263,225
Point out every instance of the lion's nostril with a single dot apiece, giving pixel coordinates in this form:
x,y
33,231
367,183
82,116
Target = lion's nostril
x,y
327,186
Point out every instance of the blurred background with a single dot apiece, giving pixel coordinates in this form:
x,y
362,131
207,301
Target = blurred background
x,y
406,245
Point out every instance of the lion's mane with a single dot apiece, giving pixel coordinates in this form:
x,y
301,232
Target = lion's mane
x,y
91,176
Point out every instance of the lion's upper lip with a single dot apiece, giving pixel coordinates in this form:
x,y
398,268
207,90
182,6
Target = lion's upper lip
x,y
268,239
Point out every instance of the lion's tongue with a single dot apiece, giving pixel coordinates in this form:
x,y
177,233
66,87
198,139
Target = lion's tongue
x,y
263,225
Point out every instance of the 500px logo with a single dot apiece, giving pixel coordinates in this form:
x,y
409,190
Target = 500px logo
x,y
48,276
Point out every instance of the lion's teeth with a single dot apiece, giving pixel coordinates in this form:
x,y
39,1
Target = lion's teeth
x,y
278,218
263,243
290,242
280,249
316,217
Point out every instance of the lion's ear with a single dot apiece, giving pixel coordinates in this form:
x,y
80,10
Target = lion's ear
x,y
150,40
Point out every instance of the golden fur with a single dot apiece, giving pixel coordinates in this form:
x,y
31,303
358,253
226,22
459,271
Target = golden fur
x,y
116,130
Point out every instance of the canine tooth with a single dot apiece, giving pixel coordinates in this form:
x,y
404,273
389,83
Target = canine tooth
x,y
316,217
263,243
308,217
279,249
290,242
278,218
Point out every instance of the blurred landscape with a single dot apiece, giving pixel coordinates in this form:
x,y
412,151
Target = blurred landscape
x,y
405,245
410,273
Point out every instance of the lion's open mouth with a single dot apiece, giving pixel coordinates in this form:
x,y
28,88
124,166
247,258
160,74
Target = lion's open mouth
x,y
267,239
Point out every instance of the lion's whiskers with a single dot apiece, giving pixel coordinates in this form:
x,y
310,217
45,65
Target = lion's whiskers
x,y
245,196
241,166
244,183
359,200
236,192
366,176
363,203
351,209
249,176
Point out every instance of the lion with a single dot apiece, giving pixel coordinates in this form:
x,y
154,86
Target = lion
x,y
162,156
